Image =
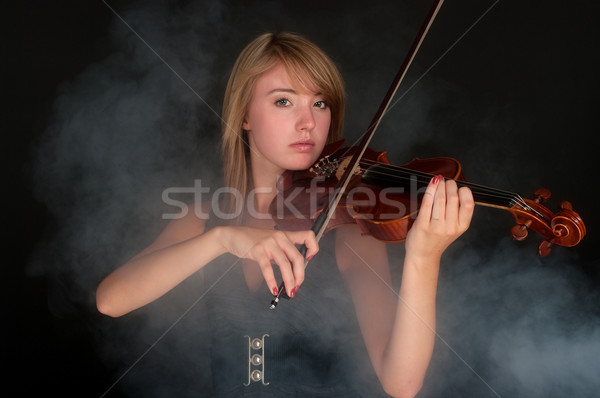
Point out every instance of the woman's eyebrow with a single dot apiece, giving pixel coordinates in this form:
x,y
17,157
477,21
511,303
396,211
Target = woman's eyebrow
x,y
284,90
290,90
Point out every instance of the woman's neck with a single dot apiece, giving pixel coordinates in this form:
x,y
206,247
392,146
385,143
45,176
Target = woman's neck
x,y
263,192
265,175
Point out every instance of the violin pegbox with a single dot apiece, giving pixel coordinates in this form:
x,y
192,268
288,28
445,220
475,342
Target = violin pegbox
x,y
519,231
565,228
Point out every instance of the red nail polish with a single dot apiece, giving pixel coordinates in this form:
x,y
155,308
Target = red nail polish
x,y
309,258
293,291
435,179
275,291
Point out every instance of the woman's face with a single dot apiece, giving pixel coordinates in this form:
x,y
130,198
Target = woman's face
x,y
287,123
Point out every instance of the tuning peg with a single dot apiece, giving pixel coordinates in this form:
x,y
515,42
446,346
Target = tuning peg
x,y
542,195
544,248
565,205
519,232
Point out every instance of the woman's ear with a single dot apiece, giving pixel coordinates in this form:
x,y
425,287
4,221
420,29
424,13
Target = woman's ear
x,y
246,125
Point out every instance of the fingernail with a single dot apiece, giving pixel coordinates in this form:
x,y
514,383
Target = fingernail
x,y
275,291
309,258
293,291
437,178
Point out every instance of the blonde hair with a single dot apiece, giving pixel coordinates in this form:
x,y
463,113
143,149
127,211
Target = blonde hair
x,y
300,57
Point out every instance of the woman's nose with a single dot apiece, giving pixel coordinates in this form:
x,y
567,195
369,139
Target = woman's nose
x,y
306,119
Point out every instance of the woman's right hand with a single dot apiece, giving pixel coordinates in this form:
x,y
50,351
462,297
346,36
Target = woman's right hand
x,y
266,247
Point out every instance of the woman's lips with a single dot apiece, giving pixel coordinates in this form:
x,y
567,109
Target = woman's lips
x,y
303,146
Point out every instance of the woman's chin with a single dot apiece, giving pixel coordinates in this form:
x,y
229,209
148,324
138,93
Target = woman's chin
x,y
297,166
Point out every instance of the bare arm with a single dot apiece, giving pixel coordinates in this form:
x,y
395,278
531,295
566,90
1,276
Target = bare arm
x,y
184,247
179,251
399,330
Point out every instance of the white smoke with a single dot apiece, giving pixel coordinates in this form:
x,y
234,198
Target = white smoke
x,y
134,124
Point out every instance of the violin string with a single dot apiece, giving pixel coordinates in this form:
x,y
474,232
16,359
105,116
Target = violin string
x,y
401,174
424,178
483,193
506,198
512,200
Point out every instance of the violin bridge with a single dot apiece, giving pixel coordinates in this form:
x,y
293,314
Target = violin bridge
x,y
343,165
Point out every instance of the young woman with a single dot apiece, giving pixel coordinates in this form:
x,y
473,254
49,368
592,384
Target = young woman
x,y
284,102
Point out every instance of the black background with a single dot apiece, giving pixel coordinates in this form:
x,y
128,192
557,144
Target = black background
x,y
515,100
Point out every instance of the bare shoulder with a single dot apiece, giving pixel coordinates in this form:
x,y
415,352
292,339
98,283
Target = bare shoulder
x,y
354,249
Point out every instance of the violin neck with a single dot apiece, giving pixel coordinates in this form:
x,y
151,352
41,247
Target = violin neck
x,y
415,182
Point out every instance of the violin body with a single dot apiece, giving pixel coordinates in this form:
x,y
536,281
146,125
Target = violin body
x,y
383,199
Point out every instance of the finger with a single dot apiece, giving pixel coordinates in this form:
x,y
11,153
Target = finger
x,y
298,267
267,271
282,251
467,204
427,202
312,245
307,238
452,201
438,210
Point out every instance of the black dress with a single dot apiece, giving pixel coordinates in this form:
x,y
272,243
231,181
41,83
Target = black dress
x,y
309,346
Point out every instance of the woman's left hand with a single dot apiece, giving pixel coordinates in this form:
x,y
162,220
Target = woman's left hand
x,y
444,215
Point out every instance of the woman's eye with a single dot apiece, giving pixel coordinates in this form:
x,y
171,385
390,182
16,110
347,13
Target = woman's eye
x,y
321,104
282,102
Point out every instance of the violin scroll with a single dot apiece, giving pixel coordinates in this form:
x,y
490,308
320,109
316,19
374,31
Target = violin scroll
x,y
565,228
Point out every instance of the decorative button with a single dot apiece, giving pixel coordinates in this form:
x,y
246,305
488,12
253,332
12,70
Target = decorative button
x,y
256,359
256,375
257,344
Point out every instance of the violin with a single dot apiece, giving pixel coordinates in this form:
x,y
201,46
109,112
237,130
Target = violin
x,y
358,185
383,199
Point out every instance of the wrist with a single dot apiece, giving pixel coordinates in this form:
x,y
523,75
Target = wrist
x,y
220,235
423,262
420,278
